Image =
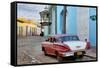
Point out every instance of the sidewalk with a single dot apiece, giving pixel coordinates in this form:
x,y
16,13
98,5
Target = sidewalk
x,y
91,52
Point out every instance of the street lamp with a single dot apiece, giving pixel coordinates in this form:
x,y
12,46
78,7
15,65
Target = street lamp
x,y
45,18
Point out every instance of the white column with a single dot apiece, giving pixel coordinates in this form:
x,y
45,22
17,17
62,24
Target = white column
x,y
53,21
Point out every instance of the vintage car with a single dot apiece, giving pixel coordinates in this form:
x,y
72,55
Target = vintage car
x,y
65,46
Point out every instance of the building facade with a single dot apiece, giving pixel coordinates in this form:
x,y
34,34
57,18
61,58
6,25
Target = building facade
x,y
78,22
53,19
92,26
27,27
73,20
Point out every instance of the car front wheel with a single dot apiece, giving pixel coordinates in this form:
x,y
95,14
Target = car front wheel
x,y
81,56
59,58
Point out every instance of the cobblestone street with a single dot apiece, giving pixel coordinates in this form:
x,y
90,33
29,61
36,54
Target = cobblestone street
x,y
29,52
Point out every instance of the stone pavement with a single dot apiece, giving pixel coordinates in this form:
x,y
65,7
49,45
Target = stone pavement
x,y
91,52
29,51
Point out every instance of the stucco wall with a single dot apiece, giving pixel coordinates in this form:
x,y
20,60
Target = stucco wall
x,y
53,20
59,9
92,27
45,30
83,23
71,20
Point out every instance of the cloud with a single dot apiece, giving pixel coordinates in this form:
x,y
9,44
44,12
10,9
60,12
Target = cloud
x,y
29,11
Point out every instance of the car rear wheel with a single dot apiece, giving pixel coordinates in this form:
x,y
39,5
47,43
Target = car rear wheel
x,y
43,49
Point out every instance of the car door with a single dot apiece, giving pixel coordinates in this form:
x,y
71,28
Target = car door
x,y
50,48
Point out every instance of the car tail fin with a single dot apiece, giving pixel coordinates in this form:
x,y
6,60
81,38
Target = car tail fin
x,y
88,45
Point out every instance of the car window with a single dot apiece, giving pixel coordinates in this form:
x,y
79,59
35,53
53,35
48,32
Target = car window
x,y
68,38
51,39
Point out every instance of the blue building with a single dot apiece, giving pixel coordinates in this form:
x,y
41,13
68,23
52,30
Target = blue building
x,y
73,20
53,19
92,26
70,20
78,22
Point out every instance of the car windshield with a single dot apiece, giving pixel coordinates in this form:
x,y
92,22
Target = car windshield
x,y
68,38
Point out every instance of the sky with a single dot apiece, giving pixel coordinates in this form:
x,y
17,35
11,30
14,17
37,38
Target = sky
x,y
29,11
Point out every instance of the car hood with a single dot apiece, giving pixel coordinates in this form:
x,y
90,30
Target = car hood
x,y
76,45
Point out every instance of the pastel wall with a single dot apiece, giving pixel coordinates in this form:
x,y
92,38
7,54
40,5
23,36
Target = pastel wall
x,y
71,20
53,20
45,30
59,23
83,23
92,27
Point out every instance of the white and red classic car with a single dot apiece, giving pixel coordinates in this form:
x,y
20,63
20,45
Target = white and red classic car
x,y
65,46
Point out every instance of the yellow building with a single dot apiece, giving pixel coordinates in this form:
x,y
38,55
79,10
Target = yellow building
x,y
27,27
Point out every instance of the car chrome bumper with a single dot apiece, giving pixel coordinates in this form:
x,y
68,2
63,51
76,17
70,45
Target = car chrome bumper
x,y
73,53
68,54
